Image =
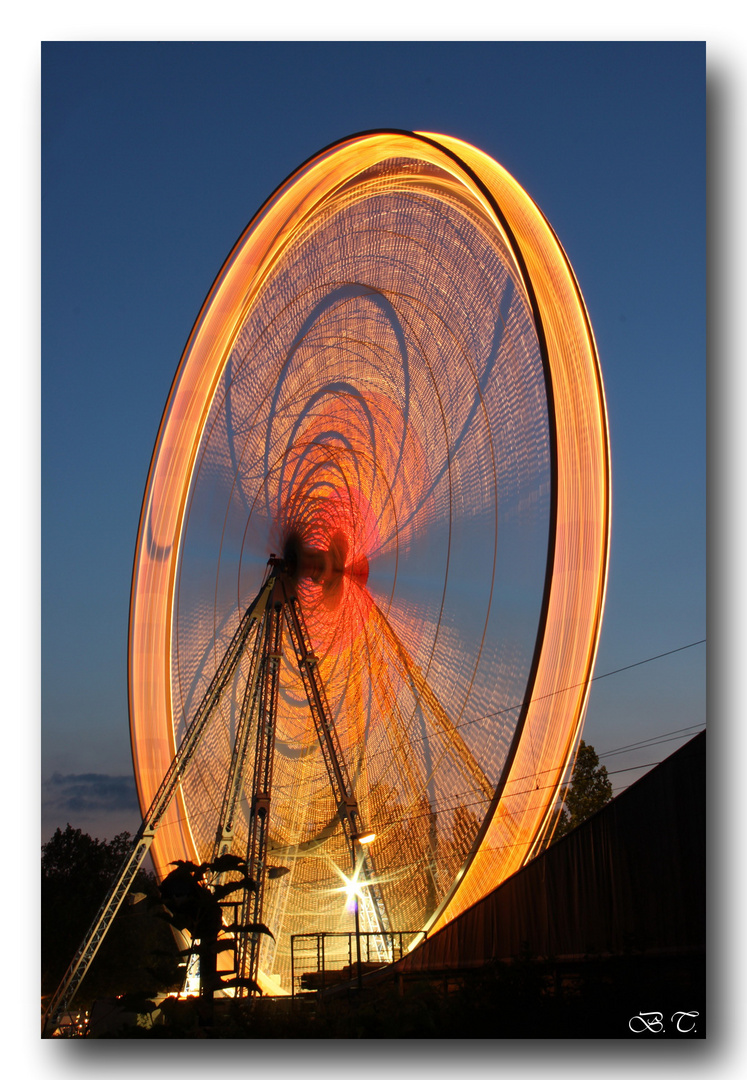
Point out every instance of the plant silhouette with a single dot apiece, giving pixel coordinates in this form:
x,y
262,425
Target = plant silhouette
x,y
192,898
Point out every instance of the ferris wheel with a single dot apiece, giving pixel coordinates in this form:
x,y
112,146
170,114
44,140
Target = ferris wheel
x,y
372,555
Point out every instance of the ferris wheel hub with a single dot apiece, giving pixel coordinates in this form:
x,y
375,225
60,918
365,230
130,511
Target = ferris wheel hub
x,y
323,567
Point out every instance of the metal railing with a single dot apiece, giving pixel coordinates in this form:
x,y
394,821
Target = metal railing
x,y
330,958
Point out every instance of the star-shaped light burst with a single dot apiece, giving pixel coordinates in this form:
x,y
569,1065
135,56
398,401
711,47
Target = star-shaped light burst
x,y
353,886
352,889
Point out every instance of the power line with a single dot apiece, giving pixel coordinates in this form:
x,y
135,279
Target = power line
x,y
575,686
458,725
631,768
645,744
410,819
648,659
655,740
630,748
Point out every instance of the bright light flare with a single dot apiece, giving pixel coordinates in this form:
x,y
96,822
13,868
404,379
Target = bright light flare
x,y
353,886
353,890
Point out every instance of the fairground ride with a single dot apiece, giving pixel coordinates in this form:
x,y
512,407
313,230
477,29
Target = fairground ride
x,y
372,555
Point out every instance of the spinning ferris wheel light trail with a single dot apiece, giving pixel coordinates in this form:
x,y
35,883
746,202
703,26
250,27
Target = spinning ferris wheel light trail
x,y
393,385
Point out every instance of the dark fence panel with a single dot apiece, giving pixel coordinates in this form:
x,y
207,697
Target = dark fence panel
x,y
629,881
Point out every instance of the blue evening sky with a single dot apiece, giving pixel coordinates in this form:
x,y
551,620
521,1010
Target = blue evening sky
x,y
154,158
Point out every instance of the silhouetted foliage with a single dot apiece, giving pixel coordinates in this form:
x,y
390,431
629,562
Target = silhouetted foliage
x,y
139,953
193,906
590,789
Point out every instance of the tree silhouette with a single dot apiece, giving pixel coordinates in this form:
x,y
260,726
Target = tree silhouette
x,y
590,789
139,953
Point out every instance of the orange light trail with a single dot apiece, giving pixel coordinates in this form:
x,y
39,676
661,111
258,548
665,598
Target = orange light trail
x,y
394,382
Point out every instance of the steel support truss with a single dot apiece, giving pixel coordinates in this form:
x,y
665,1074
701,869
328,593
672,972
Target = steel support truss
x,y
261,628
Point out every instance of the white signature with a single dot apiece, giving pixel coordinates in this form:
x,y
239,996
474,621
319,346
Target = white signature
x,y
654,1022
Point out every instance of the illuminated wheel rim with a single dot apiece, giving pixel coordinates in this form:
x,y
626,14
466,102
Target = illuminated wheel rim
x,y
394,367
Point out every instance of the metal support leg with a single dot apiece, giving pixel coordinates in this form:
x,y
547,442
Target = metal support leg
x,y
83,958
372,899
259,817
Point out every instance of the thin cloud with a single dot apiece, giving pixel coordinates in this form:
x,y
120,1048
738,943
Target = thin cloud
x,y
89,793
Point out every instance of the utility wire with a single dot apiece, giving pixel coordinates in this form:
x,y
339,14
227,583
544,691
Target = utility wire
x,y
574,686
651,741
410,818
670,652
458,725
642,744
